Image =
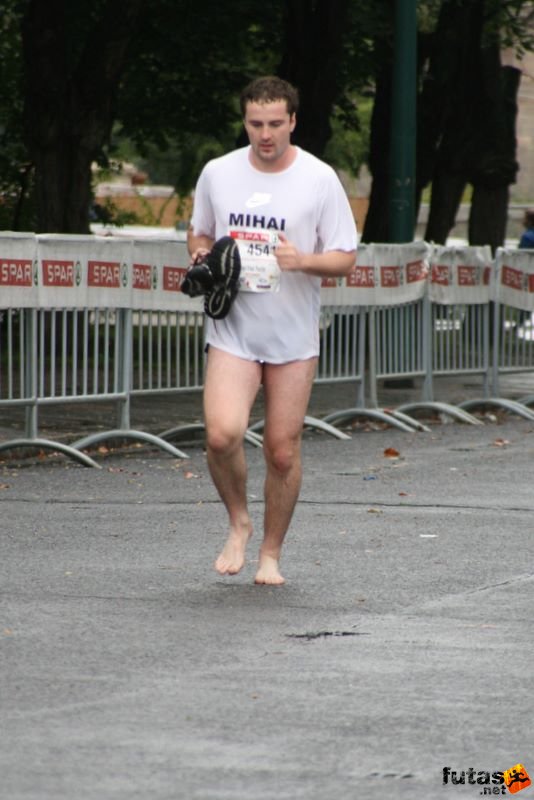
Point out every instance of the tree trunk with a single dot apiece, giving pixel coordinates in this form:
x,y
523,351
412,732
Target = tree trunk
x,y
376,226
312,54
468,116
63,186
447,190
487,219
448,112
70,102
496,166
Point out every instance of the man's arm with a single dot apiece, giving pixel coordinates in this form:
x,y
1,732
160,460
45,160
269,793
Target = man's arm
x,y
332,264
198,245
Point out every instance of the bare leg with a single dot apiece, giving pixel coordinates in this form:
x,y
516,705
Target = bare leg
x,y
287,392
230,388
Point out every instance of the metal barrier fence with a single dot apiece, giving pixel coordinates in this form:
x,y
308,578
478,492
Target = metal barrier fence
x,y
459,295
405,311
397,342
513,322
168,351
342,352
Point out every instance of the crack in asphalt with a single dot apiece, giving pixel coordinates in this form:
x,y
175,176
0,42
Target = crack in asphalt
x,y
85,502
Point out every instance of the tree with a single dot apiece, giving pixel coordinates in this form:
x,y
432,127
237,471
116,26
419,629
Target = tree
x,y
15,167
149,70
496,167
178,101
376,227
74,59
313,51
112,69
475,140
466,117
80,77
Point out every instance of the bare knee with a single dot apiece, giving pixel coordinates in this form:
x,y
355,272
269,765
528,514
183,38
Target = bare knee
x,y
223,441
283,456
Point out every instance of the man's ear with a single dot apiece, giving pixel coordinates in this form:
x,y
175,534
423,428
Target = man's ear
x,y
292,122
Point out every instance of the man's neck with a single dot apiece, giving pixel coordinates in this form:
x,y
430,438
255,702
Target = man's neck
x,y
281,164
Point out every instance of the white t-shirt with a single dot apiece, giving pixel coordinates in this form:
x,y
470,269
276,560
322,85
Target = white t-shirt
x,y
307,203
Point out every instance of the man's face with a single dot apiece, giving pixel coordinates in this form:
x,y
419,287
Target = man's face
x,y
269,127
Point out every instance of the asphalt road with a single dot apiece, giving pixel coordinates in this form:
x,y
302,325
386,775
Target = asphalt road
x,y
401,644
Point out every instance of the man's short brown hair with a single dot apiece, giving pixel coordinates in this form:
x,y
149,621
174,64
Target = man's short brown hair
x,y
267,90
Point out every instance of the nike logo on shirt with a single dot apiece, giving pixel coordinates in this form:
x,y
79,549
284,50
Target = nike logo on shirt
x,y
258,199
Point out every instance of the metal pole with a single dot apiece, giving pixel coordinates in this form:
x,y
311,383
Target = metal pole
x,y
403,123
30,355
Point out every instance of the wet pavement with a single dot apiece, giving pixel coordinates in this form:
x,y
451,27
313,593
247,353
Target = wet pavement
x,y
400,646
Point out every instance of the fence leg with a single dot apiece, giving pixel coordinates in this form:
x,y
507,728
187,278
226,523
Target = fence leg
x,y
497,327
124,319
29,353
373,396
362,344
486,348
428,348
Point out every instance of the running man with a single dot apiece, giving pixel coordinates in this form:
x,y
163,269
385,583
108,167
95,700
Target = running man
x,y
291,219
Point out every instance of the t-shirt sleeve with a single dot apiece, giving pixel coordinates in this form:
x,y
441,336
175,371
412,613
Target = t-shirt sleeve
x,y
203,217
336,225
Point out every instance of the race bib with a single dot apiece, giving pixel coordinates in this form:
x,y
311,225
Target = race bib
x,y
259,269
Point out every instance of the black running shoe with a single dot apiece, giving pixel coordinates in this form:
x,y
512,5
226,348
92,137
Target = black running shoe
x,y
199,280
225,264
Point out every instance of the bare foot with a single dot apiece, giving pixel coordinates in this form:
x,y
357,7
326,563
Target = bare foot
x,y
268,572
232,557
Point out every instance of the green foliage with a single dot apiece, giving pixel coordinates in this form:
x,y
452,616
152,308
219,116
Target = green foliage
x,y
184,74
348,148
176,105
177,162
109,213
427,15
16,175
511,23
